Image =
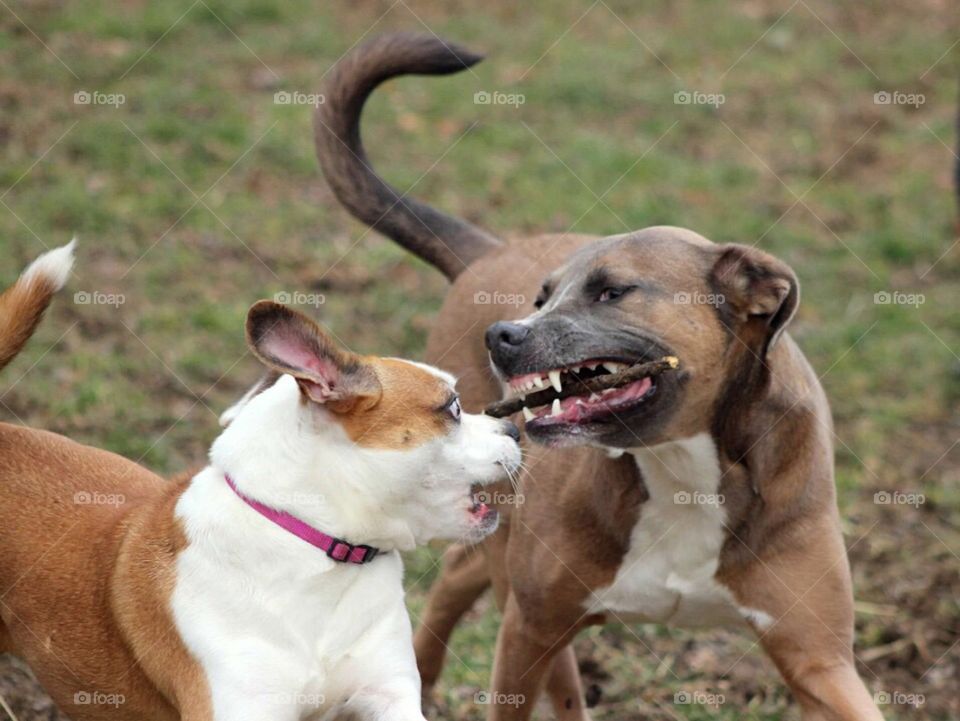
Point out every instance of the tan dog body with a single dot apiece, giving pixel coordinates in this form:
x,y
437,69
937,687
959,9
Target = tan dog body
x,y
604,532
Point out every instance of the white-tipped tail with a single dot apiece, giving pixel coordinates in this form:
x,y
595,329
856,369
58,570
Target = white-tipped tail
x,y
22,304
54,265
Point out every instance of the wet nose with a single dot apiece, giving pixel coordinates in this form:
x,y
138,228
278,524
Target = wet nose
x,y
504,335
510,429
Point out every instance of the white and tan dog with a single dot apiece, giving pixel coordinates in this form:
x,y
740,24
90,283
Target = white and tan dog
x,y
267,586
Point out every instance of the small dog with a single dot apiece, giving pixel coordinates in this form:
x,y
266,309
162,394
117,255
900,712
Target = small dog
x,y
268,585
701,497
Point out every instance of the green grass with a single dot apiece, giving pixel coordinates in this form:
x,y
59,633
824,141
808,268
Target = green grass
x,y
199,120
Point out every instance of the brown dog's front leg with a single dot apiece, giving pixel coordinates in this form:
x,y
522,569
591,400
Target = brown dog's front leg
x,y
564,687
523,660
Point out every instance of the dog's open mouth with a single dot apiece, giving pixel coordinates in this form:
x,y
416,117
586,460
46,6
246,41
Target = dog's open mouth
x,y
581,393
481,513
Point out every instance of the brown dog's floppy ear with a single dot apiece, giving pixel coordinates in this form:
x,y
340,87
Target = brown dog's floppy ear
x,y
289,342
757,289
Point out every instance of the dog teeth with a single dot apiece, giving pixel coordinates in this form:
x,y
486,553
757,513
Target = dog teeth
x,y
592,366
576,369
527,414
539,382
555,409
614,367
593,397
555,380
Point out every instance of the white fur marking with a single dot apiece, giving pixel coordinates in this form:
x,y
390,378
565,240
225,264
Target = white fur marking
x,y
54,265
667,576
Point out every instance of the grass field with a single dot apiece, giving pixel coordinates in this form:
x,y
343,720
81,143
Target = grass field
x,y
194,192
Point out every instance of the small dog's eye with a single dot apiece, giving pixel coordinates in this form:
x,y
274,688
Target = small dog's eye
x,y
609,294
455,410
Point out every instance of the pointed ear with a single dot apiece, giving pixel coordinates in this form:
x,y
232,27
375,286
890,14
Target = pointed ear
x,y
289,342
759,291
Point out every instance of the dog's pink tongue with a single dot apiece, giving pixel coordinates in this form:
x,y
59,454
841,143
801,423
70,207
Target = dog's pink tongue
x,y
576,408
480,510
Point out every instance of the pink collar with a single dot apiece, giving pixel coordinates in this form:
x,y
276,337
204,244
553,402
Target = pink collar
x,y
336,548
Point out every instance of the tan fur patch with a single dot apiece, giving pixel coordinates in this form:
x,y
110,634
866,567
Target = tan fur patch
x,y
408,413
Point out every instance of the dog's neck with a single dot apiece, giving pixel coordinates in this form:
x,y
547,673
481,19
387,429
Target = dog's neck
x,y
281,453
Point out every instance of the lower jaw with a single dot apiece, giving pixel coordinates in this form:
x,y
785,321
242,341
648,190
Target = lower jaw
x,y
579,412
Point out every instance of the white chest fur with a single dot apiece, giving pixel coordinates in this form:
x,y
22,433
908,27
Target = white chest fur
x,y
667,576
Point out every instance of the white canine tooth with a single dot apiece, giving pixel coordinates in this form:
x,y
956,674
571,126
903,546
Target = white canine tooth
x,y
555,409
538,382
555,380
613,367
527,414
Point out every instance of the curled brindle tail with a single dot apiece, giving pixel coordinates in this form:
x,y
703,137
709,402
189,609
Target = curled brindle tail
x,y
446,242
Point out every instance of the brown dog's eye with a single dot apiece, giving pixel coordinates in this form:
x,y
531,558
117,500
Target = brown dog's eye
x,y
608,294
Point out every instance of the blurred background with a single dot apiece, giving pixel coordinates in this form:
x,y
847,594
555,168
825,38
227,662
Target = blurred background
x,y
174,138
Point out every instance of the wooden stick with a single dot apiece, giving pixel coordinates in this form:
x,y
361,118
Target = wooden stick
x,y
509,406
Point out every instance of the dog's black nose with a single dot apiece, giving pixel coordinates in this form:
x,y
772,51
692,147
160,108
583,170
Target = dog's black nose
x,y
506,335
510,429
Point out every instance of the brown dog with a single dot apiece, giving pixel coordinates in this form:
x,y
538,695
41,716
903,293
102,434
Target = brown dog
x,y
700,497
